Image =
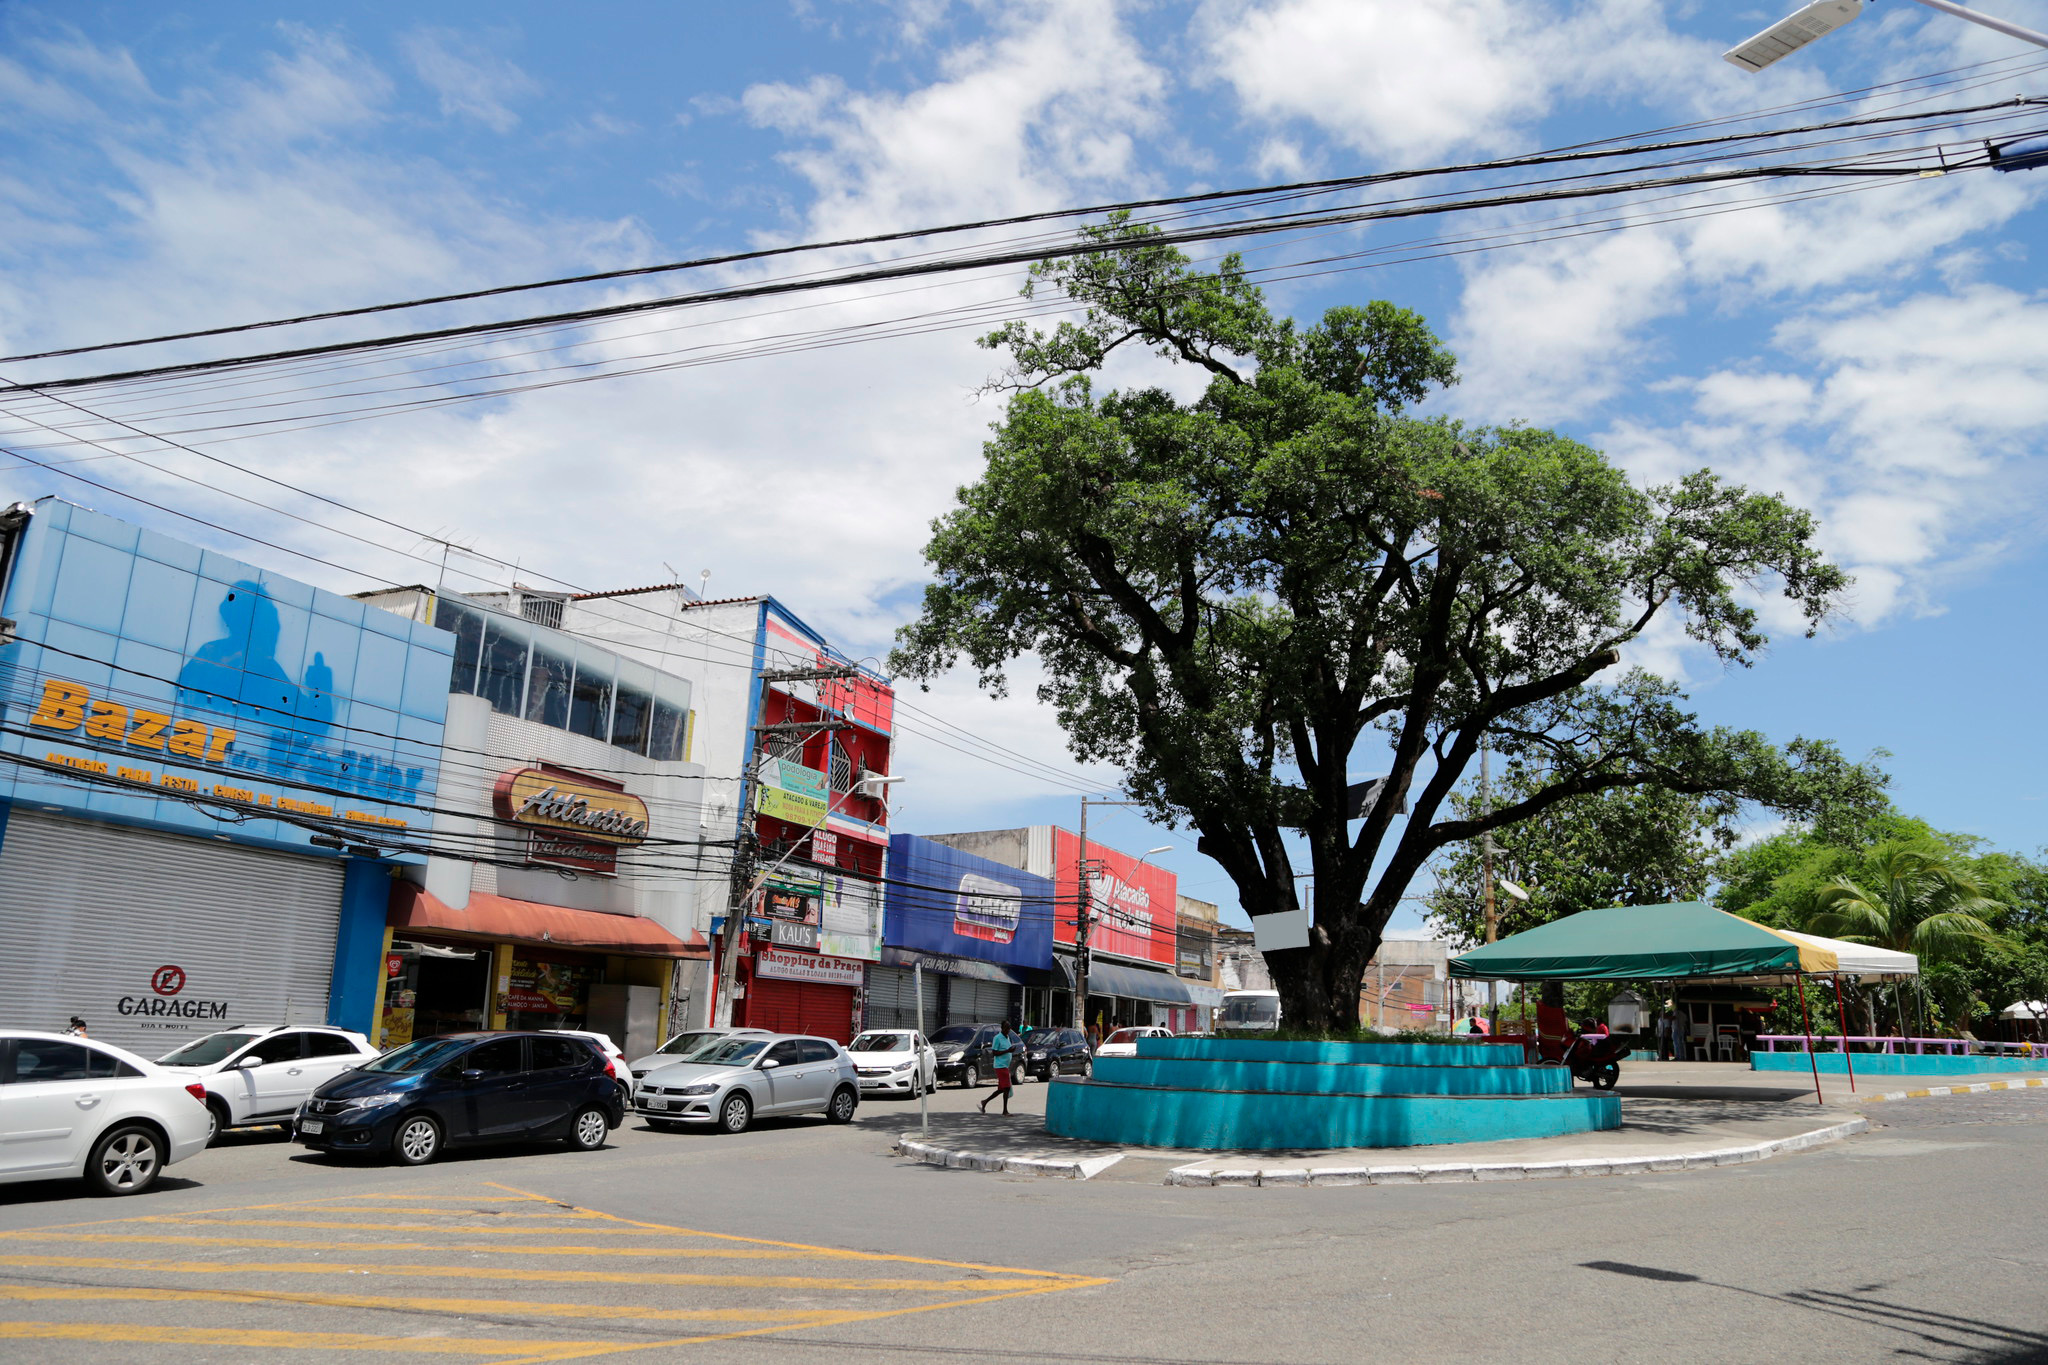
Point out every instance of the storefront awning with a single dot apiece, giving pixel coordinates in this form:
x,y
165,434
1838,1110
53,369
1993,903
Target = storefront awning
x,y
972,968
1137,983
502,918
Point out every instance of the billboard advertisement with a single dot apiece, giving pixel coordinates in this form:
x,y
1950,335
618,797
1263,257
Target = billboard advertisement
x,y
162,684
1133,901
942,900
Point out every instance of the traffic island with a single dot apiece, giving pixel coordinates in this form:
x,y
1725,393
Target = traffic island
x,y
1213,1094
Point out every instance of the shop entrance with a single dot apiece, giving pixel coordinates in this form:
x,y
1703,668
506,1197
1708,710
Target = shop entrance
x,y
432,988
550,990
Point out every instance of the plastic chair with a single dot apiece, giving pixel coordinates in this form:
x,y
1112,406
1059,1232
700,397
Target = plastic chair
x,y
1725,1045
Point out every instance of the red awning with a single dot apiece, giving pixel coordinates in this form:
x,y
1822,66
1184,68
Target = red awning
x,y
501,917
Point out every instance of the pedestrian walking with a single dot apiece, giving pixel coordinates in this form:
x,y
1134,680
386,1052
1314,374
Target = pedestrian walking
x,y
1000,1048
77,1029
1664,1022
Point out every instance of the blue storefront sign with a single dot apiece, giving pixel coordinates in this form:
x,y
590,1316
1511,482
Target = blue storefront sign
x,y
158,684
942,900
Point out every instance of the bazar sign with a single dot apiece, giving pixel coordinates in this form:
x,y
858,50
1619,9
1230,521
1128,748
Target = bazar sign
x,y
72,706
792,792
789,966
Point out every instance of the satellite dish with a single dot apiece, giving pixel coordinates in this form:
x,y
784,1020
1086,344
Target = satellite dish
x,y
1517,892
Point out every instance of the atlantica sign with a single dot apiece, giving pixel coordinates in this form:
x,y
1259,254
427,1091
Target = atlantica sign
x,y
573,819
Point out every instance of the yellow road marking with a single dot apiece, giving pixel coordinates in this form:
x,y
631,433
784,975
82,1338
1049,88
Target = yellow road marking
x,y
511,1308
542,1276
806,1246
549,1249
580,1215
496,1227
534,1350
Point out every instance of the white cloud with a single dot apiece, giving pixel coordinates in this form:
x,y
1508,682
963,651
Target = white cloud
x,y
1419,82
471,81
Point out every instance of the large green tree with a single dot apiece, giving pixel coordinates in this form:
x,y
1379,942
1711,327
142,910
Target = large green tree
x,y
1231,593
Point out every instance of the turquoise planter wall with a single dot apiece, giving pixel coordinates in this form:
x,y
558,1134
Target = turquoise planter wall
x,y
1335,1078
1384,1054
1213,1094
1894,1064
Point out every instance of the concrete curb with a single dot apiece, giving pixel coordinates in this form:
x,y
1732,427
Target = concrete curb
x,y
1978,1088
1436,1173
1079,1168
1444,1172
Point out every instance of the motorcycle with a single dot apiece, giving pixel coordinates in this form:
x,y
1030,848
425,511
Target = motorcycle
x,y
1592,1057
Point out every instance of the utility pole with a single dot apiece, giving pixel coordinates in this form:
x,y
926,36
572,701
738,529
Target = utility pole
x,y
1084,912
745,885
1486,875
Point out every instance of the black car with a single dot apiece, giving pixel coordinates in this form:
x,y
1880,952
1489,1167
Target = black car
x,y
466,1088
965,1054
1050,1052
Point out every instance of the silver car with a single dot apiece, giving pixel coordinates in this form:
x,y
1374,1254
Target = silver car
x,y
728,1084
684,1044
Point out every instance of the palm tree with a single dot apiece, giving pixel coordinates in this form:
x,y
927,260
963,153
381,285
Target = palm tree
x,y
1924,904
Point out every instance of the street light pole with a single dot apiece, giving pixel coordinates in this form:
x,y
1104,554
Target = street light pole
x,y
2009,29
1486,877
1084,912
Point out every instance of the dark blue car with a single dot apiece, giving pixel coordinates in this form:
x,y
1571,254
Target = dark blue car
x,y
460,1089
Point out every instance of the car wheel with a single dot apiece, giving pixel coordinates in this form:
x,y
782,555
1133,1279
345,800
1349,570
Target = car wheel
x,y
917,1087
1087,1068
735,1114
417,1141
587,1130
626,1095
1016,1075
843,1102
125,1161
970,1079
217,1121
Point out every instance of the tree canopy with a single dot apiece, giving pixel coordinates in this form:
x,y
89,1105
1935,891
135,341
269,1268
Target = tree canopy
x,y
1238,597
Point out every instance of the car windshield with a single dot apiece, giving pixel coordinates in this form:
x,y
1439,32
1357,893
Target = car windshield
x,y
206,1051
955,1033
730,1052
424,1055
1250,1009
684,1044
1125,1035
881,1042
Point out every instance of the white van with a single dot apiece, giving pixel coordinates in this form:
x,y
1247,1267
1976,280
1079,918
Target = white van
x,y
1246,1011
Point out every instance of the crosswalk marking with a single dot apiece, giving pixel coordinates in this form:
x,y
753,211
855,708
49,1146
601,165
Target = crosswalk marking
x,y
712,1290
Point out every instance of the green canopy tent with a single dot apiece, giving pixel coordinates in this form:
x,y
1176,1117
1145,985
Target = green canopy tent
x,y
1684,941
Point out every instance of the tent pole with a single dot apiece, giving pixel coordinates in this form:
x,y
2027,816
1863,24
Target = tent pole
x,y
1807,1020
1843,1015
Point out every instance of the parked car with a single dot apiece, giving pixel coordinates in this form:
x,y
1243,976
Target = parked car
x,y
739,1078
1124,1042
72,1109
1050,1052
603,1042
263,1074
965,1055
683,1044
460,1089
894,1061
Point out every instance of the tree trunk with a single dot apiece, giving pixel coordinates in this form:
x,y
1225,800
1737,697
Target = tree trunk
x,y
1319,984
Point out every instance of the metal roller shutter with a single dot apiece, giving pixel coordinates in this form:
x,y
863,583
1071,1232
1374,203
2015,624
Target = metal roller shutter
x,y
892,1002
91,914
976,1002
800,1007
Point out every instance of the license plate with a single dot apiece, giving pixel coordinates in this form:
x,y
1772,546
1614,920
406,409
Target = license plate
x,y
311,1126
655,1104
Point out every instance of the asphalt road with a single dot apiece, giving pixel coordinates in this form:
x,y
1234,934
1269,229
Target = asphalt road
x,y
799,1241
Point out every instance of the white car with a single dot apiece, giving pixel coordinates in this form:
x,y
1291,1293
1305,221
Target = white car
x,y
73,1109
604,1044
263,1074
894,1061
1124,1042
685,1043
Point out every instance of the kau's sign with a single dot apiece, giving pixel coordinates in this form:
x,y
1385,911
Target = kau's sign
x,y
571,819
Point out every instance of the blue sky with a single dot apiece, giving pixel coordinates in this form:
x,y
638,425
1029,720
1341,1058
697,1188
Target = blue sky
x,y
1880,357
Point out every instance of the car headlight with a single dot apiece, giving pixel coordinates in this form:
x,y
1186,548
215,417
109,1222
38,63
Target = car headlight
x,y
903,1066
369,1102
955,1056
706,1089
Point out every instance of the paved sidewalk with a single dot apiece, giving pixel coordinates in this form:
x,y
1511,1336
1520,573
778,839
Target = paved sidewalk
x,y
1675,1116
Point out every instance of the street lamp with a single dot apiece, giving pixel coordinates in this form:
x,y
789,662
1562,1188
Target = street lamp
x,y
1822,17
